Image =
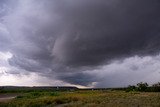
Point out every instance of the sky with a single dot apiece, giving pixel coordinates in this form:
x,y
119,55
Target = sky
x,y
83,43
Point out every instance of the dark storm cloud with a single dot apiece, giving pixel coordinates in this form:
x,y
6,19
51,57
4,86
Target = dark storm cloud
x,y
6,7
99,32
78,78
77,35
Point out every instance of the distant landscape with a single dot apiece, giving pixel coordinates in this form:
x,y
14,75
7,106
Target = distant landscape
x,y
140,95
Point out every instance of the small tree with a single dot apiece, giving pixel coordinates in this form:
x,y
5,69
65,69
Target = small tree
x,y
142,86
156,87
130,88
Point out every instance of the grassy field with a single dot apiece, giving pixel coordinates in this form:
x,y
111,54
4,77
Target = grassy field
x,y
85,98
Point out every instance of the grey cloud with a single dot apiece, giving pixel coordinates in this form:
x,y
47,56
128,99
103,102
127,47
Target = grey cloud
x,y
130,71
4,38
78,35
6,7
27,64
98,32
78,78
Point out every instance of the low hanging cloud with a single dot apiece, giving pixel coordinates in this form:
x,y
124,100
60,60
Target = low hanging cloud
x,y
128,71
74,40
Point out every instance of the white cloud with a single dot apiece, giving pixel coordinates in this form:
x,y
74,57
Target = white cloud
x,y
129,71
5,55
32,79
4,65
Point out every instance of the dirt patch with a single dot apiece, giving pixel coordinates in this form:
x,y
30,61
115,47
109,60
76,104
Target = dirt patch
x,y
7,97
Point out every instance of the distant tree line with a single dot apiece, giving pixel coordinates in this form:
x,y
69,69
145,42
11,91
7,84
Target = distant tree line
x,y
17,89
144,87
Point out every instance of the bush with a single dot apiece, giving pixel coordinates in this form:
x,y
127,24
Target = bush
x,y
131,88
142,86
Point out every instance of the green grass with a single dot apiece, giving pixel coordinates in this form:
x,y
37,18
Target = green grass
x,y
85,99
33,95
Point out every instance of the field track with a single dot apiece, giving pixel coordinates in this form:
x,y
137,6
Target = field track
x,y
7,97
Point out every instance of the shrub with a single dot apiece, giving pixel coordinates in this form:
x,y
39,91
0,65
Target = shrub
x,y
142,86
131,88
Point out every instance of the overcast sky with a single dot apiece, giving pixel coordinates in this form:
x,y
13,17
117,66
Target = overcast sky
x,y
84,43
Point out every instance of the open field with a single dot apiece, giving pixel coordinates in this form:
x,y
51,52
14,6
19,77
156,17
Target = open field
x,y
85,98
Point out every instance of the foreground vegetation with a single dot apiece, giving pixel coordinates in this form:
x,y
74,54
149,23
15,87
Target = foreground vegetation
x,y
85,98
140,95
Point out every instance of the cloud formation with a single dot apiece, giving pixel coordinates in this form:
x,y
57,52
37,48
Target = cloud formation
x,y
65,40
